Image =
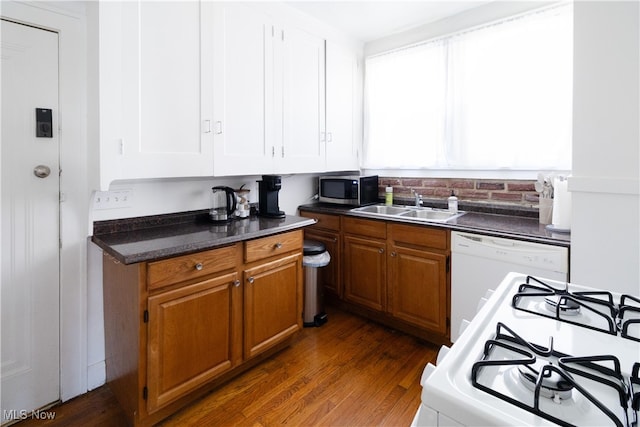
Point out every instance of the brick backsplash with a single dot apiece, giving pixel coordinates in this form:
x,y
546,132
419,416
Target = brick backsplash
x,y
520,192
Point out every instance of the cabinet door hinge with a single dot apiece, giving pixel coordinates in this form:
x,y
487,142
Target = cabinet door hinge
x,y
448,264
145,392
145,316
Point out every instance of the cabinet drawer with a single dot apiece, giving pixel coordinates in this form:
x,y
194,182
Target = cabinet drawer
x,y
199,264
436,238
364,227
325,221
273,245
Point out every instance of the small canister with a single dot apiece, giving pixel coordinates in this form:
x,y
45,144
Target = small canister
x,y
242,206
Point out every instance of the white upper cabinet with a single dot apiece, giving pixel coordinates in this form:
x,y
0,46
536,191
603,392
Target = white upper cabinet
x,y
268,94
343,108
155,65
242,99
300,83
190,88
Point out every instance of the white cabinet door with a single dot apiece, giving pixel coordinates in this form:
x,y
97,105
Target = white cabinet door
x,y
342,136
243,91
268,95
157,57
302,81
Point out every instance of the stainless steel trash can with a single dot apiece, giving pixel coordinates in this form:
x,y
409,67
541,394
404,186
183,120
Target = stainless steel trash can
x,y
315,256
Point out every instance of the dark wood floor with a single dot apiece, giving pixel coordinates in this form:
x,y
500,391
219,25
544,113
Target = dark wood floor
x,y
349,372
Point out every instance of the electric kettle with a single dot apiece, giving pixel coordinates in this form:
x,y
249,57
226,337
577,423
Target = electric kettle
x,y
223,204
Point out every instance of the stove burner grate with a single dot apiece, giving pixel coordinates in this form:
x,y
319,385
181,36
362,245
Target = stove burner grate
x,y
598,304
629,317
549,376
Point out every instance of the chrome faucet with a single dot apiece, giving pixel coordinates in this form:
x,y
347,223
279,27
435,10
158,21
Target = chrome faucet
x,y
418,198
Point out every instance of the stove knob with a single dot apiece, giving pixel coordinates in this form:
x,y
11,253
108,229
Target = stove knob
x,y
481,304
444,350
428,370
463,327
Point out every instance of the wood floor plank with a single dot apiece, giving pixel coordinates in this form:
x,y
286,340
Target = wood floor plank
x,y
349,372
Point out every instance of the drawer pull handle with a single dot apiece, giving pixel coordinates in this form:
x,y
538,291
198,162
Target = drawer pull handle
x,y
250,279
278,245
199,266
381,250
236,283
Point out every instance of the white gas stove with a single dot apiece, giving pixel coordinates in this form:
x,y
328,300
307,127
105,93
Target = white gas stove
x,y
540,352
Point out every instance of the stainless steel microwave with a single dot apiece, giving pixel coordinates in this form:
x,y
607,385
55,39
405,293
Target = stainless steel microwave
x,y
348,190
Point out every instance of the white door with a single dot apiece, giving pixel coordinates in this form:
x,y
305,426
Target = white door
x,y
30,222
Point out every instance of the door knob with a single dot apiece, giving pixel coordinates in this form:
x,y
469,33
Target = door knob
x,y
41,171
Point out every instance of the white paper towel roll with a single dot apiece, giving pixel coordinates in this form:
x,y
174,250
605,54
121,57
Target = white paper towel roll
x,y
561,204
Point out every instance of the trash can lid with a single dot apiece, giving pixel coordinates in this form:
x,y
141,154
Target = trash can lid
x,y
313,247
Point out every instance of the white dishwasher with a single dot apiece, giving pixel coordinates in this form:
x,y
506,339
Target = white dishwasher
x,y
479,263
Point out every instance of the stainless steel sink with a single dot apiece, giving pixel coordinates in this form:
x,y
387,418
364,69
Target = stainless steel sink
x,y
381,210
414,213
429,214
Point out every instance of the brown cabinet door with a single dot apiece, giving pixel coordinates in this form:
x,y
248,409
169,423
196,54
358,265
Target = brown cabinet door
x,y
329,276
418,288
190,334
272,303
364,269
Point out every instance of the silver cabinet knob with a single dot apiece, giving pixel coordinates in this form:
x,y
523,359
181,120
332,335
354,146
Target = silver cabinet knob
x,y
393,254
278,245
41,171
381,250
236,283
199,266
250,279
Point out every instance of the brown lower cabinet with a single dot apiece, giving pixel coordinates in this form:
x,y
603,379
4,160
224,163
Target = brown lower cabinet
x,y
394,273
176,328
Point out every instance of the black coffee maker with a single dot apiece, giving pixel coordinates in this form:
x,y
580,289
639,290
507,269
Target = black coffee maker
x,y
268,190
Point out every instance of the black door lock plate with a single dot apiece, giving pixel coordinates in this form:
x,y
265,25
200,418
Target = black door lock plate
x,y
44,123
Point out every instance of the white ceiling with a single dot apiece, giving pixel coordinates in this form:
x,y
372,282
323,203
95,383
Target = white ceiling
x,y
371,20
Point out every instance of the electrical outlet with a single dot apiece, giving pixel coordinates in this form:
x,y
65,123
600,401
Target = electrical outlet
x,y
112,199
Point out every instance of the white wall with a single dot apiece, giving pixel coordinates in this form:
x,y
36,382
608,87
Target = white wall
x,y
161,196
69,20
605,186
482,14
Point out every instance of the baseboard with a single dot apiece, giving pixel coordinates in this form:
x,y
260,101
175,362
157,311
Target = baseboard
x,y
96,375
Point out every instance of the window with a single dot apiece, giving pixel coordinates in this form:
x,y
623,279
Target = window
x,y
497,97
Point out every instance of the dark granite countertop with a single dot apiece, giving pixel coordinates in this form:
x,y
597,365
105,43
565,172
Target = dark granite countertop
x,y
152,238
508,226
